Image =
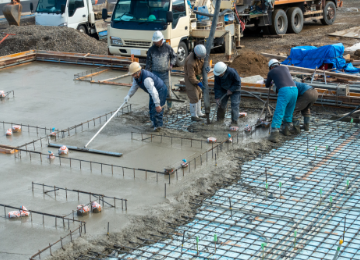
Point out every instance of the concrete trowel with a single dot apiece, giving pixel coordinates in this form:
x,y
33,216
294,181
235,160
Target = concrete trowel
x,y
12,12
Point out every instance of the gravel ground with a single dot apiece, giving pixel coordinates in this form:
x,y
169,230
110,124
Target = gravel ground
x,y
50,38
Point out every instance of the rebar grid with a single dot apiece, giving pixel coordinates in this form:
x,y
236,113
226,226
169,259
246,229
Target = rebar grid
x,y
65,132
101,197
297,202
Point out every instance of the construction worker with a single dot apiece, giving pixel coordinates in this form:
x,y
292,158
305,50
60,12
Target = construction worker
x,y
160,59
307,96
193,73
227,84
156,89
286,101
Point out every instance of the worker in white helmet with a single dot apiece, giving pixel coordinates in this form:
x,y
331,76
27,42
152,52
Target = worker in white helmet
x,y
286,101
156,89
160,59
227,82
193,73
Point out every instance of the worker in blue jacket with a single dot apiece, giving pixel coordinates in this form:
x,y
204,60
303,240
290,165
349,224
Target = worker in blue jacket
x,y
286,101
228,84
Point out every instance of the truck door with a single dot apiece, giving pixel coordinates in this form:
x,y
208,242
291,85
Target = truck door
x,y
180,25
78,13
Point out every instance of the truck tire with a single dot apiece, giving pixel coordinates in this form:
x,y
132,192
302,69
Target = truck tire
x,y
82,29
329,13
182,53
295,20
279,22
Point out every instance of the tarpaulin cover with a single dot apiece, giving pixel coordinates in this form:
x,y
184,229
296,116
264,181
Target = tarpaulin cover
x,y
312,57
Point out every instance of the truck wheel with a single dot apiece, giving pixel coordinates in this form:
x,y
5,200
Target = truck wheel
x,y
296,20
329,13
182,53
82,29
279,22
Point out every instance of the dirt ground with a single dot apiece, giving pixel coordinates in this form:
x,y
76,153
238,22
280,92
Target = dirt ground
x,y
314,33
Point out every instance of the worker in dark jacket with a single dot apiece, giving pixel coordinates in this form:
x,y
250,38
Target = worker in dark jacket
x,y
227,82
160,59
307,96
156,89
286,101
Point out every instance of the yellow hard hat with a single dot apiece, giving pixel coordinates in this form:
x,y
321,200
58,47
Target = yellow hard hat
x,y
134,67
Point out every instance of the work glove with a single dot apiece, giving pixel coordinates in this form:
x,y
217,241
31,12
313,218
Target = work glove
x,y
127,98
201,85
229,92
207,69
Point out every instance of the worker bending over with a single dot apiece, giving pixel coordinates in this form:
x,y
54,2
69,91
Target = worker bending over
x,y
160,59
307,96
286,101
156,89
193,70
228,83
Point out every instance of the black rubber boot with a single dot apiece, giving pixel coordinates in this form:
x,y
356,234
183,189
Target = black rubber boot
x,y
307,123
274,136
286,131
295,130
220,114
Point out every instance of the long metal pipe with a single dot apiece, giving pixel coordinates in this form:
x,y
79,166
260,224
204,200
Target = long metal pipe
x,y
209,44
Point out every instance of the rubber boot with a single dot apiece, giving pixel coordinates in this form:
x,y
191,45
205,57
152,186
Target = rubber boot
x,y
198,109
274,135
220,114
234,123
193,113
286,130
306,123
295,130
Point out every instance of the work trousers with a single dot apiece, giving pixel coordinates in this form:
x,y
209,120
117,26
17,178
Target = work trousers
x,y
155,117
285,106
235,103
305,101
165,77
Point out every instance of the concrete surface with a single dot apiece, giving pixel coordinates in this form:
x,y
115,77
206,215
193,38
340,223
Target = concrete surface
x,y
46,95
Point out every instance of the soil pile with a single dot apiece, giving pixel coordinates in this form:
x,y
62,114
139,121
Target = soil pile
x,y
49,38
249,63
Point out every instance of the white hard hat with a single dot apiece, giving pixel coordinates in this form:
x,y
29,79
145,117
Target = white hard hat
x,y
200,51
134,67
219,68
273,62
157,36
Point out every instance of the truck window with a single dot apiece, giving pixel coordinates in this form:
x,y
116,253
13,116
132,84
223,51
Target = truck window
x,y
147,11
50,6
179,10
73,5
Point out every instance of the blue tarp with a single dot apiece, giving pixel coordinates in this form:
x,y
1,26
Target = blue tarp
x,y
312,57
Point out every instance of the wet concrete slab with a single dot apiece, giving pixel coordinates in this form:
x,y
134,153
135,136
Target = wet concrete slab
x,y
47,96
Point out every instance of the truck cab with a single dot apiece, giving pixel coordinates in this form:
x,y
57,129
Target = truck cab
x,y
133,23
77,14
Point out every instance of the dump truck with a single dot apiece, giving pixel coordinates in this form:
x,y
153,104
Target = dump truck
x,y
83,15
285,16
133,23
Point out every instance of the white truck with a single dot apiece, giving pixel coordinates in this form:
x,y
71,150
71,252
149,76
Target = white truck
x,y
133,23
83,15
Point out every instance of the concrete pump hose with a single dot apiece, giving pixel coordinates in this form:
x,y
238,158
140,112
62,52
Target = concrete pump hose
x,y
211,15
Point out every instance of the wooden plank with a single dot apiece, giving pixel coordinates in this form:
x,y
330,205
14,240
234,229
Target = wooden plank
x,y
353,32
273,56
92,74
